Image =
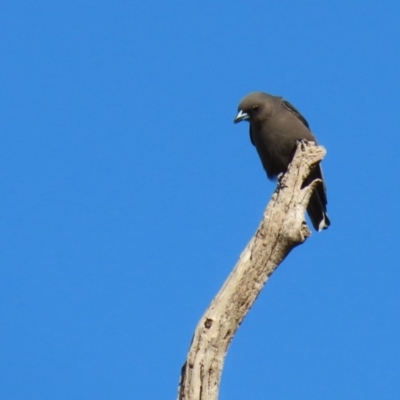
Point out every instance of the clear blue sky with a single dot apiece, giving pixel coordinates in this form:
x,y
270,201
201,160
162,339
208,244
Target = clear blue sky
x,y
127,195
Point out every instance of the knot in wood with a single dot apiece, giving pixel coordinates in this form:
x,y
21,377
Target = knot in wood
x,y
208,323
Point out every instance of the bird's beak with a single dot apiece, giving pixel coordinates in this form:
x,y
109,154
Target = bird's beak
x,y
242,116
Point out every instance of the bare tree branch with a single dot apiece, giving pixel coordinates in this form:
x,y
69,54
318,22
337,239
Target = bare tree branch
x,y
282,228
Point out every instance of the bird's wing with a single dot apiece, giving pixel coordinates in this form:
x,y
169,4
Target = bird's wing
x,y
251,136
293,110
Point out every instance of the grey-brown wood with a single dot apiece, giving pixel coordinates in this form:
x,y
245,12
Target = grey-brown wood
x,y
282,228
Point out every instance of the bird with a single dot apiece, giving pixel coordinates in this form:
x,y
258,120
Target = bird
x,y
276,126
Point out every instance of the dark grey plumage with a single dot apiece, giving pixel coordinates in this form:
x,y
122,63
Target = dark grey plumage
x,y
275,128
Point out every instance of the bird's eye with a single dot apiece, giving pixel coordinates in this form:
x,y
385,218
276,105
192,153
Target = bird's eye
x,y
255,108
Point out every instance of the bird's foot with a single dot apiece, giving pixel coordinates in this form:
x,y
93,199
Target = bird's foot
x,y
303,143
281,184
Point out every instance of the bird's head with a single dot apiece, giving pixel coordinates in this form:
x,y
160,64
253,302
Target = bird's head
x,y
255,107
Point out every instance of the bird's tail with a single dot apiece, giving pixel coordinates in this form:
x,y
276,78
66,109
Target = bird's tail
x,y
317,206
317,212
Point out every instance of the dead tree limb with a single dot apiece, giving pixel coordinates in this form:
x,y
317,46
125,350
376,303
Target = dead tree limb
x,y
282,228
